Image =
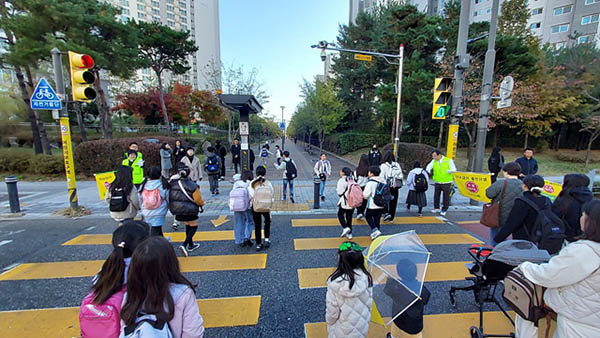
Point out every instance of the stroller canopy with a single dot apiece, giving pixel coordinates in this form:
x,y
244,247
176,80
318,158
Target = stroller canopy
x,y
515,252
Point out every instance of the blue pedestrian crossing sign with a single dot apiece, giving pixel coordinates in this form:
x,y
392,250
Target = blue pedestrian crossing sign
x,y
282,125
44,97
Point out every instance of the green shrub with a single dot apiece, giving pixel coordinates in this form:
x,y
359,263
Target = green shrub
x,y
107,154
19,161
47,165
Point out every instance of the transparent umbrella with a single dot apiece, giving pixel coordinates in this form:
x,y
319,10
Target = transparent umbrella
x,y
398,264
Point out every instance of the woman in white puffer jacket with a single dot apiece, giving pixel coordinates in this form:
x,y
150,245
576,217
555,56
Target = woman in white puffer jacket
x,y
573,281
349,295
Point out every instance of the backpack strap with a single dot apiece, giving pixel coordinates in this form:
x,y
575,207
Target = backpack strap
x,y
185,192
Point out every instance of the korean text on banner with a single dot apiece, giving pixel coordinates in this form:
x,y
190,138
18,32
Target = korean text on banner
x,y
552,189
103,181
473,185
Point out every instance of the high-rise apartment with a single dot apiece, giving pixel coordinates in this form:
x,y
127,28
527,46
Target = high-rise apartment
x,y
199,17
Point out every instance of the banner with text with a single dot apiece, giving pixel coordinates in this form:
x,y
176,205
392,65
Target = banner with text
x,y
473,185
103,181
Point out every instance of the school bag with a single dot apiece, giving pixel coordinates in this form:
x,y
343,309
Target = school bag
x,y
548,231
524,297
118,200
290,170
383,195
263,198
421,182
264,153
101,320
354,194
212,165
151,199
147,326
396,176
238,199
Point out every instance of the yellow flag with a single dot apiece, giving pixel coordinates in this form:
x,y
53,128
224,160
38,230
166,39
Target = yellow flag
x,y
103,180
473,185
552,189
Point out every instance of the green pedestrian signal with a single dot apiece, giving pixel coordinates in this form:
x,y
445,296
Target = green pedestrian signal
x,y
442,98
442,112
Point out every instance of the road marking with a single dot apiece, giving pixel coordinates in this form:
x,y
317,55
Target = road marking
x,y
449,325
10,266
436,272
91,268
90,228
324,222
10,233
222,219
8,241
64,322
200,236
468,222
335,242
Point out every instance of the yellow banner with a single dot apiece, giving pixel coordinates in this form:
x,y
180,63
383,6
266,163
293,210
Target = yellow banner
x,y
473,185
103,181
65,132
452,141
551,189
363,57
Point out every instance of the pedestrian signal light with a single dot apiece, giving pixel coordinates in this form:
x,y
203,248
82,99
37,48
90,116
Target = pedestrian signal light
x,y
442,98
82,79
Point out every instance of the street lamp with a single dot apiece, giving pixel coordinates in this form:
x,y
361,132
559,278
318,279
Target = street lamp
x,y
282,130
367,56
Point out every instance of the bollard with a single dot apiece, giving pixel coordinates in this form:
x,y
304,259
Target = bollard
x,y
13,194
317,200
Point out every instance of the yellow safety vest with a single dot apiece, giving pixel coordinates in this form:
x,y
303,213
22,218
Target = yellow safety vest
x,y
440,171
138,171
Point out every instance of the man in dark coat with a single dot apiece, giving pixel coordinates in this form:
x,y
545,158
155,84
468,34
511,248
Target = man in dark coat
x,y
375,156
236,151
529,165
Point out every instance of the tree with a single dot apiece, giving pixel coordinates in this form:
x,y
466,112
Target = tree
x,y
162,48
514,17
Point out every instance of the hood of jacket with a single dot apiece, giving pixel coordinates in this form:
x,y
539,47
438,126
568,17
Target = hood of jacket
x,y
378,179
153,184
210,154
341,285
582,194
240,184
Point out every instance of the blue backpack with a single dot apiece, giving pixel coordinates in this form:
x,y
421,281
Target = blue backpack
x,y
264,153
212,165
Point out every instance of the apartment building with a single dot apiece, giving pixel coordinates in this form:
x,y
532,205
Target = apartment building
x,y
358,6
199,17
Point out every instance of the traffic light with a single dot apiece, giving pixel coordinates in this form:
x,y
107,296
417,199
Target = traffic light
x,y
442,98
82,79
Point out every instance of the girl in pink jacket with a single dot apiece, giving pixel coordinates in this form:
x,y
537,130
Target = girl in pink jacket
x,y
156,286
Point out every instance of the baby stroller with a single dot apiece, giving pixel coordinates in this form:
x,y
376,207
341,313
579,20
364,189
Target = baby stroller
x,y
490,266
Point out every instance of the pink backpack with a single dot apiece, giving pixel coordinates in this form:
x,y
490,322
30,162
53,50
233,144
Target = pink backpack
x,y
101,320
151,199
354,194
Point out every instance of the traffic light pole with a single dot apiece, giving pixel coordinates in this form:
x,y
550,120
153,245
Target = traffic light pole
x,y
65,129
459,77
486,90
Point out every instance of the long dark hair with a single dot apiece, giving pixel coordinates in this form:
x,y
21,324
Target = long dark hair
x,y
163,146
389,157
123,179
247,176
363,166
573,181
591,228
534,183
124,240
260,176
154,266
349,260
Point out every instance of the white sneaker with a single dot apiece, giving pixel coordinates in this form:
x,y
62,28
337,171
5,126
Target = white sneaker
x,y
435,211
345,232
360,216
349,236
183,251
442,213
375,234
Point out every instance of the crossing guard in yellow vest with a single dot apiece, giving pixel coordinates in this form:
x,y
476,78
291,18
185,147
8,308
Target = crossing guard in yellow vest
x,y
137,165
441,168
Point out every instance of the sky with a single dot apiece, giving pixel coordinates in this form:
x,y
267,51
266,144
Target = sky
x,y
275,36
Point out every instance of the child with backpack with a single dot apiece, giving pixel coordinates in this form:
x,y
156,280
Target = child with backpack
x,y
154,195
212,166
349,295
261,201
185,202
264,154
160,301
122,197
418,183
290,172
391,172
239,203
378,195
361,176
99,311
351,197
532,219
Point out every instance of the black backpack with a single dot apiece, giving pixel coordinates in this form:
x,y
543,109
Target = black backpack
x,y
212,165
383,195
290,170
548,231
118,200
421,182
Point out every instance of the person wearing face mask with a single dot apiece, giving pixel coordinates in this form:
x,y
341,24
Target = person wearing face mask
x,y
375,156
193,162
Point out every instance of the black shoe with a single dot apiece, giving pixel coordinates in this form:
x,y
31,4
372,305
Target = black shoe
x,y
217,192
248,243
292,199
267,243
193,247
322,198
259,247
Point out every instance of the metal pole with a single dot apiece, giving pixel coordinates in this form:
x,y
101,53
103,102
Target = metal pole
x,y
398,101
486,90
457,93
13,194
283,130
65,129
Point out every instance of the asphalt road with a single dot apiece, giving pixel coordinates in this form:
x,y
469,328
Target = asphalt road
x,y
284,306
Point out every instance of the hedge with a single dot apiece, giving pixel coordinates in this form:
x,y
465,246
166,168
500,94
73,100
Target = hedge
x,y
15,161
106,155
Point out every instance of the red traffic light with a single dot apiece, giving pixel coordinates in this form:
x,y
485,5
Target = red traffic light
x,y
87,61
81,60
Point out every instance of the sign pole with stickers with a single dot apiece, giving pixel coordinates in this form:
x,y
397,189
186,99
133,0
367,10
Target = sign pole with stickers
x,y
65,130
